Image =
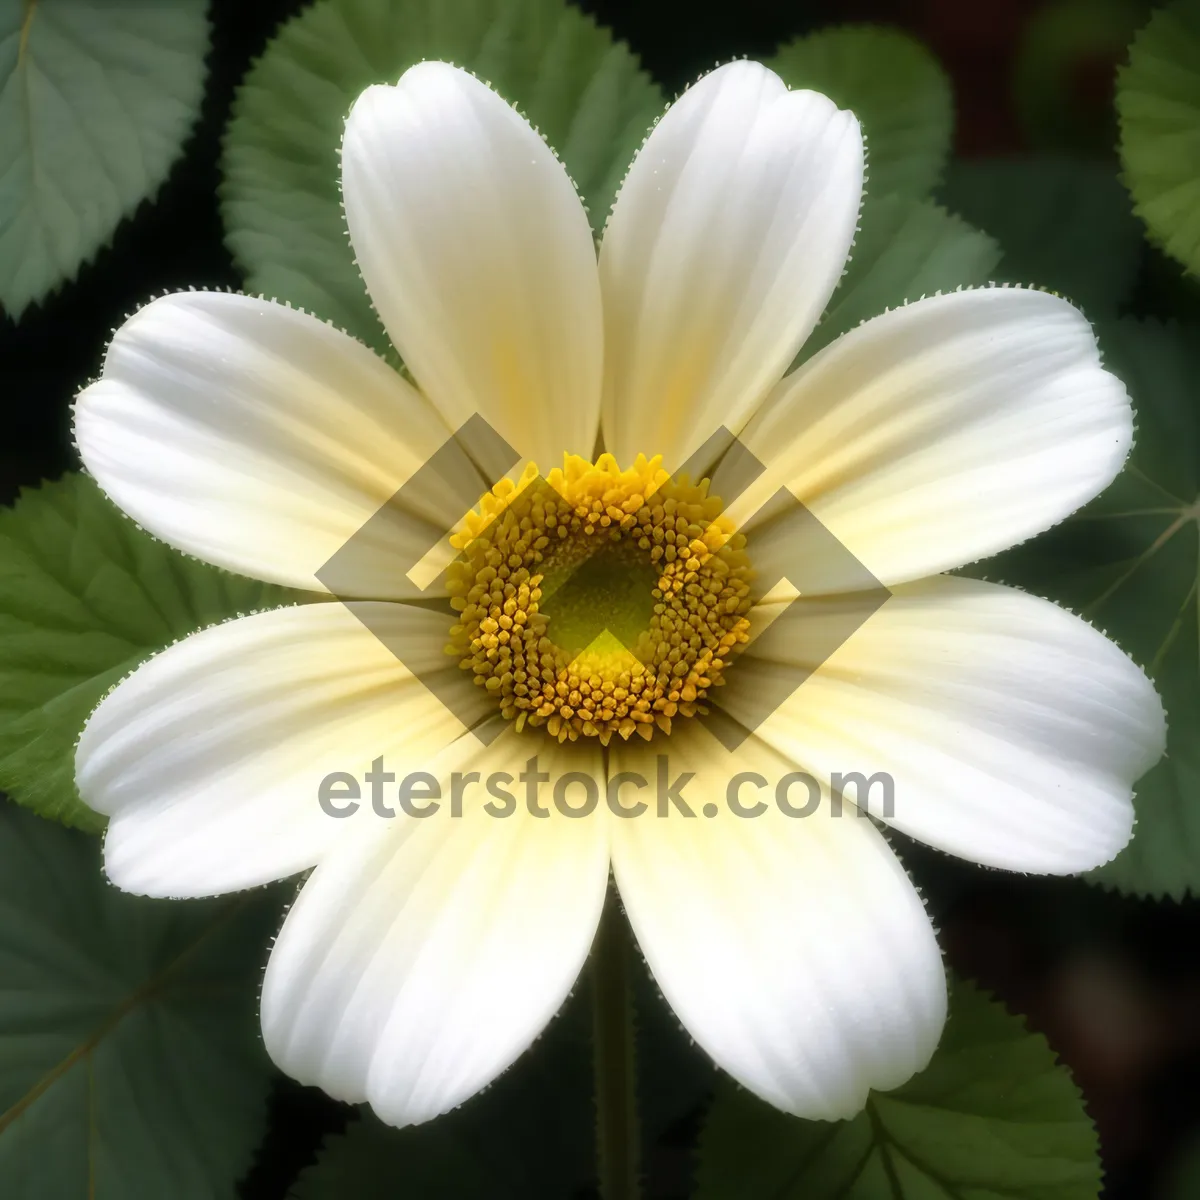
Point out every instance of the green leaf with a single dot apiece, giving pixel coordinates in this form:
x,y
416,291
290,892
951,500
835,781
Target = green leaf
x,y
905,249
895,87
131,1066
991,1118
1064,225
1128,563
1158,103
95,102
280,198
528,1137
85,596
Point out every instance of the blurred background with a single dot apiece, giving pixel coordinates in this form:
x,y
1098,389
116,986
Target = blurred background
x,y
1113,982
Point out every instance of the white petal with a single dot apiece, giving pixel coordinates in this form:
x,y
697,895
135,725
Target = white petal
x,y
258,438
478,257
794,950
726,241
208,759
1012,730
946,430
425,955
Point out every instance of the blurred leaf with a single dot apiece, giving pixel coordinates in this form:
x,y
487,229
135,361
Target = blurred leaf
x,y
1183,1172
280,197
905,249
1158,102
896,88
991,1118
95,102
85,596
1065,70
1063,225
528,1137
131,1066
1128,563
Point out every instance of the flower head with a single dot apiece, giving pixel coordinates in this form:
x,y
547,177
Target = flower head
x,y
601,606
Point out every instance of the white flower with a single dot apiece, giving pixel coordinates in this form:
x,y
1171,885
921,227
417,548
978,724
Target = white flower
x,y
424,955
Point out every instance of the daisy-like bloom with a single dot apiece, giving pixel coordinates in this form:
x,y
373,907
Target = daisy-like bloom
x,y
424,954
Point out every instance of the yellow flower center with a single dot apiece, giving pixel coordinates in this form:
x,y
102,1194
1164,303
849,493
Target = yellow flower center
x,y
599,600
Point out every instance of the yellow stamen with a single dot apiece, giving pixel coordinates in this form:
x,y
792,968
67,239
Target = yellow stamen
x,y
529,536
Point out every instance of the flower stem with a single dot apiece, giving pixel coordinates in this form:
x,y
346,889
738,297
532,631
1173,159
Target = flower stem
x,y
613,1050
